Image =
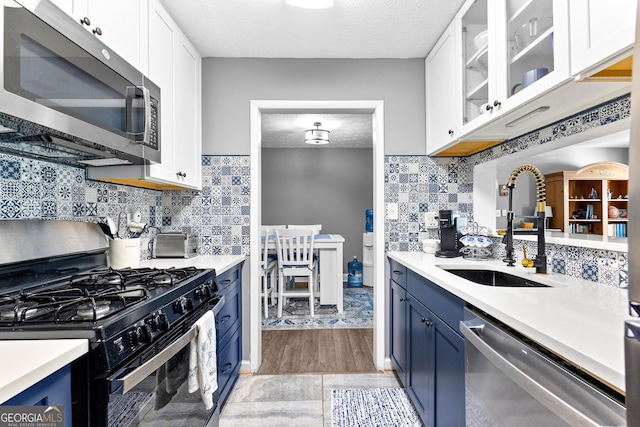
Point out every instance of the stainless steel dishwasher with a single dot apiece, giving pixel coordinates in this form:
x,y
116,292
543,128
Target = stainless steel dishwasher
x,y
511,381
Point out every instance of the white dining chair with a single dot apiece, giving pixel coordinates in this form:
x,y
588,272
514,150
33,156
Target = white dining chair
x,y
268,271
317,228
295,259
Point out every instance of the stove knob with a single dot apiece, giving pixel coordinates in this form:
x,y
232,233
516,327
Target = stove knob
x,y
163,322
203,293
119,345
158,323
183,305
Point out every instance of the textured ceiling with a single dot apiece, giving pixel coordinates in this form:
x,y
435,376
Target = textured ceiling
x,y
287,130
350,29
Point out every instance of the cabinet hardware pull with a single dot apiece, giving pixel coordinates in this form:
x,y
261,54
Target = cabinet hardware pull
x,y
497,103
398,272
85,21
182,174
401,299
489,107
97,31
451,132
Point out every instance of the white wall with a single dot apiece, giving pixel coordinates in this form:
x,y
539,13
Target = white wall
x,y
228,84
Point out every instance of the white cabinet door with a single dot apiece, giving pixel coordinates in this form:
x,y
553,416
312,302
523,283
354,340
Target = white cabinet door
x,y
600,30
117,23
175,66
442,97
187,120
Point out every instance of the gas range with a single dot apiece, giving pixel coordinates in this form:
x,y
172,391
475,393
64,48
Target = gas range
x,y
57,284
123,310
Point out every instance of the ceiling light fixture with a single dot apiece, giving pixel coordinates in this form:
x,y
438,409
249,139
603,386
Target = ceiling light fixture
x,y
311,4
316,136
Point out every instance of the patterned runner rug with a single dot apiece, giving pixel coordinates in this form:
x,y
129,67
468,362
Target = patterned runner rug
x,y
357,313
380,407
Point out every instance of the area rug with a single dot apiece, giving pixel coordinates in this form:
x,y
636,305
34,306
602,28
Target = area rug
x,y
357,313
380,407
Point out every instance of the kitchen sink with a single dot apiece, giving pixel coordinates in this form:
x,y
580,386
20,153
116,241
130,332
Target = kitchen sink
x,y
495,278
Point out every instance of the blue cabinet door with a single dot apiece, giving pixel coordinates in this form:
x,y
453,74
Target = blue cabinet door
x,y
55,390
398,341
421,360
449,372
229,331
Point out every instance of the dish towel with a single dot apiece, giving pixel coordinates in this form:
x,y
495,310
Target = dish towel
x,y
202,359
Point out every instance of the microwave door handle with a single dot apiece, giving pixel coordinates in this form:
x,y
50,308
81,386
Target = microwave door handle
x,y
472,332
123,383
132,93
146,95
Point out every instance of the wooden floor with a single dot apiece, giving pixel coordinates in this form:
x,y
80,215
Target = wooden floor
x,y
317,351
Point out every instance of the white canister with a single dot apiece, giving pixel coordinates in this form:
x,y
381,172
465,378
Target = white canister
x,y
430,246
124,253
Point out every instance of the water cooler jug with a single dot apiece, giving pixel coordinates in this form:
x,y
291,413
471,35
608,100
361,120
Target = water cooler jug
x,y
355,272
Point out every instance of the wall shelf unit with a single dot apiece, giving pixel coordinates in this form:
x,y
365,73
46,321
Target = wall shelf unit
x,y
591,200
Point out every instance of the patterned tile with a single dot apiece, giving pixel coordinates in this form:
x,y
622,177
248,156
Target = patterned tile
x,y
220,213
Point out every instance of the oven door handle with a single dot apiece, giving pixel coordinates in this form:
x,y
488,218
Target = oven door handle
x,y
121,384
473,329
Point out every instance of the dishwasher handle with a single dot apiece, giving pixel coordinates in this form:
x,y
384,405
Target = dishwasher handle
x,y
472,331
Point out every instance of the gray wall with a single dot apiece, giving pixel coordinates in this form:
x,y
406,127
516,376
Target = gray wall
x,y
228,84
328,186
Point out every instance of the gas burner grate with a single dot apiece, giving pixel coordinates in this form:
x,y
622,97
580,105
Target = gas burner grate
x,y
68,305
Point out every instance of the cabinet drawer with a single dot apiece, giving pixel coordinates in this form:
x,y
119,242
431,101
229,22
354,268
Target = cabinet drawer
x,y
228,278
398,273
229,315
229,357
442,303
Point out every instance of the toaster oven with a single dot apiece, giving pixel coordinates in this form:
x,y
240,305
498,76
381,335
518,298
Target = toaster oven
x,y
175,245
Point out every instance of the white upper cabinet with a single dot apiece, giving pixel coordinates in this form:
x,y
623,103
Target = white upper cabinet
x,y
115,22
511,53
601,30
523,55
442,106
175,65
170,61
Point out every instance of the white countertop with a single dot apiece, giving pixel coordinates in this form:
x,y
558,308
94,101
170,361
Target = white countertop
x,y
25,362
220,262
581,321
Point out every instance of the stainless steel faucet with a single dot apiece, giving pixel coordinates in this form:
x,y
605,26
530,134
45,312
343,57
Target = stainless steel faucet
x,y
540,261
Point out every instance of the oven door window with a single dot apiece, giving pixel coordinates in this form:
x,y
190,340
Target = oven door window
x,y
161,398
44,66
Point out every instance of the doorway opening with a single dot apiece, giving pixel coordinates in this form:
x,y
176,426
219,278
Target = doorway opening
x,y
375,109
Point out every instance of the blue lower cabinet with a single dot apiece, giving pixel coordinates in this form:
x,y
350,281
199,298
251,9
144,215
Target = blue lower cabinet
x,y
421,372
229,331
449,371
53,391
427,349
398,341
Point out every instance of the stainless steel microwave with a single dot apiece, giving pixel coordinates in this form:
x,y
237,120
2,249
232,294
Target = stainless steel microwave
x,y
66,97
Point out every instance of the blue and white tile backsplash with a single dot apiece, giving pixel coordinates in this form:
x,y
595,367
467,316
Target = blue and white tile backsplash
x,y
220,213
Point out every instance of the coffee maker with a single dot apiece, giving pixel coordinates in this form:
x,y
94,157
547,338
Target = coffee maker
x,y
450,223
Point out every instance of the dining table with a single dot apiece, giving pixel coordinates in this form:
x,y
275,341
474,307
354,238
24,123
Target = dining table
x,y
331,271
